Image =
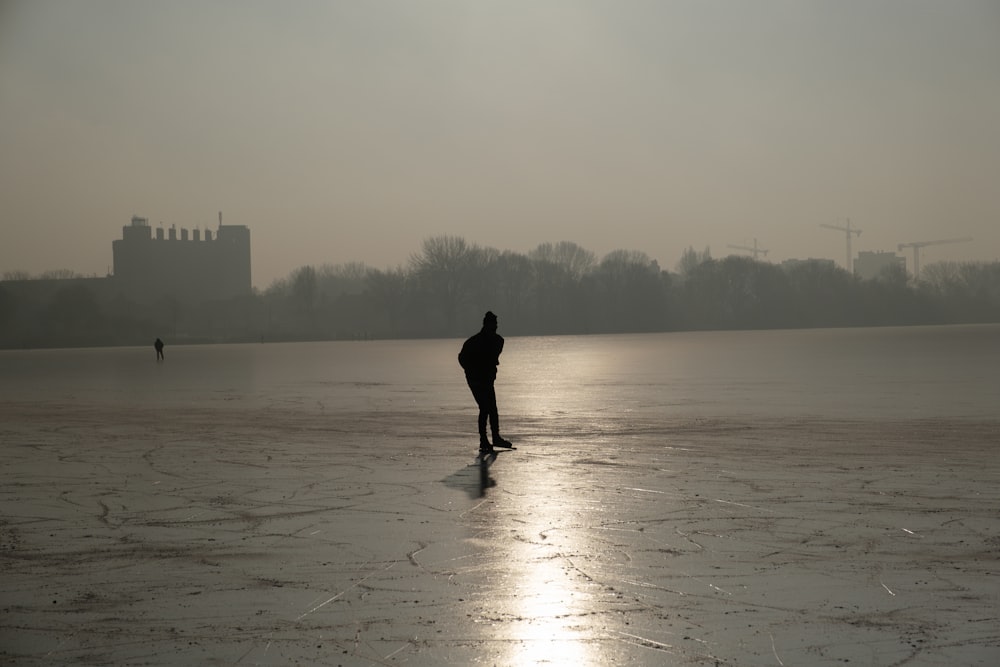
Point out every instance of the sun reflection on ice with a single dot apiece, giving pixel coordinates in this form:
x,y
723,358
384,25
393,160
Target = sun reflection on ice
x,y
549,629
551,619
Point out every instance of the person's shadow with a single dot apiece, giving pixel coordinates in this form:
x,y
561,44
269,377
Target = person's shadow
x,y
485,481
474,479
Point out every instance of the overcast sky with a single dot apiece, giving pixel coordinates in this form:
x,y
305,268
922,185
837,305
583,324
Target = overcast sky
x,y
352,131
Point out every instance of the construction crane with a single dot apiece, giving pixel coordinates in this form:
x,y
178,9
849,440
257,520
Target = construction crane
x,y
848,230
917,245
754,250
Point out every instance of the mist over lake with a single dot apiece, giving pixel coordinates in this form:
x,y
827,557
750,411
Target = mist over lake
x,y
906,372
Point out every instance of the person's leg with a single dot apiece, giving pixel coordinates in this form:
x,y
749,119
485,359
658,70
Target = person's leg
x,y
491,408
480,393
483,415
490,399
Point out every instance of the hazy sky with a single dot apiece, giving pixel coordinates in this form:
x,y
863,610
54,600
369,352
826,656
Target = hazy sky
x,y
351,131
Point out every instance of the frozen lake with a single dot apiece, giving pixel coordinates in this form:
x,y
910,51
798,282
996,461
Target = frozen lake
x,y
821,497
856,373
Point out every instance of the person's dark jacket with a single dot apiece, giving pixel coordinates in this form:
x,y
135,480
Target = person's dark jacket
x,y
480,356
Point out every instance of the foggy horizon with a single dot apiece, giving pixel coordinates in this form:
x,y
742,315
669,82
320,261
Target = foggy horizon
x,y
342,132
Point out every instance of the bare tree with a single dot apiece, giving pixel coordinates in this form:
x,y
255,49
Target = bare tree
x,y
628,293
336,279
442,268
573,259
388,289
691,258
515,284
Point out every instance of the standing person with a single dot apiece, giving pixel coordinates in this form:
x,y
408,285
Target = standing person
x,y
480,357
159,349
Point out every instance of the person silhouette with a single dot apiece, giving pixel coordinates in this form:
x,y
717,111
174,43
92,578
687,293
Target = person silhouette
x,y
159,349
479,358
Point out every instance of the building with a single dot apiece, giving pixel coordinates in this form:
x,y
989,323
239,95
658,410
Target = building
x,y
190,267
870,265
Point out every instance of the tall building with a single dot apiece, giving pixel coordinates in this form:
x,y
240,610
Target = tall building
x,y
870,265
189,267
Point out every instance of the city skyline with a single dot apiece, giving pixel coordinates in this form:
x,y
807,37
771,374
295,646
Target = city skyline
x,y
343,133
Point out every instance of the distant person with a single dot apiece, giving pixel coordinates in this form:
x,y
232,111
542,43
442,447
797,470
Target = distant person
x,y
159,349
480,357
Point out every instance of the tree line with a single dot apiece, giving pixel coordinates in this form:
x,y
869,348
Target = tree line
x,y
560,288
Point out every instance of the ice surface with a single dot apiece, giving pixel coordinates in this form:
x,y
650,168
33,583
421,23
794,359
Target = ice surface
x,y
312,509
